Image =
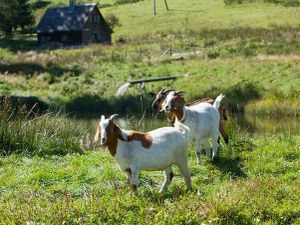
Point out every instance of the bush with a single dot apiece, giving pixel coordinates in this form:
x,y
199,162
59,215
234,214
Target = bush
x,y
112,21
212,54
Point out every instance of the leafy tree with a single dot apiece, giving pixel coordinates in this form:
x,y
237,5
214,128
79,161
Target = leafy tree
x,y
24,17
7,15
14,14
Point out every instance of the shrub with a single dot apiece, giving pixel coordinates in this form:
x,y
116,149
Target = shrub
x,y
112,20
212,54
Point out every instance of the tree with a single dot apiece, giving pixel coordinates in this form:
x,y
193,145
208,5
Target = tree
x,y
24,17
14,14
6,15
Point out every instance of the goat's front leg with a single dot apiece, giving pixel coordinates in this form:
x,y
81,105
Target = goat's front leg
x,y
168,178
134,178
129,174
207,148
198,149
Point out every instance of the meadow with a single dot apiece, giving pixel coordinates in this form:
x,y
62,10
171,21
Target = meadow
x,y
255,180
250,52
243,48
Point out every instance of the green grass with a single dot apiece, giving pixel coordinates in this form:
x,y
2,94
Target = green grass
x,y
247,51
255,181
23,130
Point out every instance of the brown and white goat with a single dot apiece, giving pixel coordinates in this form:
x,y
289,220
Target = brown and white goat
x,y
203,119
156,150
161,95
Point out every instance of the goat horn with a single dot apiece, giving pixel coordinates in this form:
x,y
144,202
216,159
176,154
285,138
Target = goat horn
x,y
113,116
167,90
180,92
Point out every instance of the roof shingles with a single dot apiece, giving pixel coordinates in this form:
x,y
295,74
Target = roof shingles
x,y
71,18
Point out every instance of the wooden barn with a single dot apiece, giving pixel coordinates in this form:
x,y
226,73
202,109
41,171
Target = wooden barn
x,y
76,24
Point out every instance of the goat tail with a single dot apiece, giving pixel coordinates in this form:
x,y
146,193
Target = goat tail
x,y
183,128
217,102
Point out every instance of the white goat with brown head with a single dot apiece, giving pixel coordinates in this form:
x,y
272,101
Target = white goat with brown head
x,y
162,94
203,120
156,150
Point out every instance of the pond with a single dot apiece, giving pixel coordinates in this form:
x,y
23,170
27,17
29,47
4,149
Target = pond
x,y
251,124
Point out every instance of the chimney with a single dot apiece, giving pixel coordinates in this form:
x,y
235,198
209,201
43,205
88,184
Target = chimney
x,y
72,2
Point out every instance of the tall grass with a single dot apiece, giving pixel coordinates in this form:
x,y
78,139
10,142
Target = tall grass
x,y
24,131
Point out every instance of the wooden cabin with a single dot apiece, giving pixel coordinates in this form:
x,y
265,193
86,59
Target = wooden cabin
x,y
76,24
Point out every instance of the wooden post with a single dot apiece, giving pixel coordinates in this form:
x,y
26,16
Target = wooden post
x,y
154,7
166,4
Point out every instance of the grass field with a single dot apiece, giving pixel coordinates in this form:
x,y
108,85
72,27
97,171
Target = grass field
x,y
244,50
250,52
255,181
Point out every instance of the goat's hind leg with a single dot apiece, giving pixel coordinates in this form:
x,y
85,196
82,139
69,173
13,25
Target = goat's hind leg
x,y
198,149
215,151
168,178
207,148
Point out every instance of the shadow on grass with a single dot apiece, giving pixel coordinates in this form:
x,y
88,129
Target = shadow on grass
x,y
19,44
30,69
29,102
230,166
237,96
92,104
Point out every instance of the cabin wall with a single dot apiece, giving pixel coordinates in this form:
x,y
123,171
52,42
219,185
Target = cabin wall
x,y
95,30
63,38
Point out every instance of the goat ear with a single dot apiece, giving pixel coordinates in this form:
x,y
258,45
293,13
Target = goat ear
x,y
152,94
113,116
179,102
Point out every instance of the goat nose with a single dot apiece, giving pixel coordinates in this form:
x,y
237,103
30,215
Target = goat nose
x,y
103,140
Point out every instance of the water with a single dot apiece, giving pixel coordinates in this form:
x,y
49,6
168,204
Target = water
x,y
248,123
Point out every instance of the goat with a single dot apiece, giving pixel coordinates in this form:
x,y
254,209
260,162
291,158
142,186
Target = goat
x,y
161,95
203,120
155,150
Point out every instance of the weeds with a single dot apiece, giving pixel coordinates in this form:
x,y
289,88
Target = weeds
x,y
25,131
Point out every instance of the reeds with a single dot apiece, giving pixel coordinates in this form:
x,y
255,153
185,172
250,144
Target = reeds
x,y
25,131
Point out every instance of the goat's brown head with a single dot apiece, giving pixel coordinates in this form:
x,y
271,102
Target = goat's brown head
x,y
159,98
173,101
108,132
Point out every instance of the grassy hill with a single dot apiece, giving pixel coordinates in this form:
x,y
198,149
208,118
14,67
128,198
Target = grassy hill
x,y
244,49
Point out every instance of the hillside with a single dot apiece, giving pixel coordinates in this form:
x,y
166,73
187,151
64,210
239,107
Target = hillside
x,y
246,51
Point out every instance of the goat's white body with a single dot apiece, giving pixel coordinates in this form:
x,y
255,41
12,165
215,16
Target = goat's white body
x,y
168,146
203,120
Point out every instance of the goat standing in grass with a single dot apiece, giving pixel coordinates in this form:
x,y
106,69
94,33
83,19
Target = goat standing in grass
x,y
156,150
161,95
203,120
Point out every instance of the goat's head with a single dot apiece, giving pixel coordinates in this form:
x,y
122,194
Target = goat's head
x,y
173,101
108,132
159,98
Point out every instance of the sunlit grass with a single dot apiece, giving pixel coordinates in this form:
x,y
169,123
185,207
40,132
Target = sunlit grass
x,y
254,181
